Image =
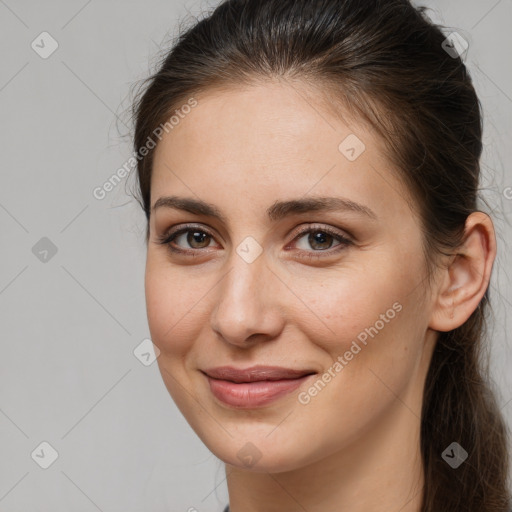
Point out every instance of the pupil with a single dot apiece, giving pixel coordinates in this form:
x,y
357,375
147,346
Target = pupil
x,y
192,237
319,237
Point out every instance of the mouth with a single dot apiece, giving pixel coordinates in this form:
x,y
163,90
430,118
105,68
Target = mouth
x,y
254,387
255,373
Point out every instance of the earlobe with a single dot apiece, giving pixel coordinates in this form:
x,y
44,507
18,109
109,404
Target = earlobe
x,y
467,276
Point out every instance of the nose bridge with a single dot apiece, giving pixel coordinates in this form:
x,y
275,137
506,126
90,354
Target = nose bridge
x,y
244,299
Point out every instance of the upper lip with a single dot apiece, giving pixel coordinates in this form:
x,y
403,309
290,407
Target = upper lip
x,y
255,373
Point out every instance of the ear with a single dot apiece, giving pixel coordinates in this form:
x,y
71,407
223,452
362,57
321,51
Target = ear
x,y
464,281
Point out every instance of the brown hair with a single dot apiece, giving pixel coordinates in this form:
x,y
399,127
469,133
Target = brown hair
x,y
383,60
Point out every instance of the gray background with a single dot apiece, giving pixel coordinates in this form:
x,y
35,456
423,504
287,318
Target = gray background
x,y
70,324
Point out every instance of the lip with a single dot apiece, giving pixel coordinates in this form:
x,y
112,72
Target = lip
x,y
255,386
255,373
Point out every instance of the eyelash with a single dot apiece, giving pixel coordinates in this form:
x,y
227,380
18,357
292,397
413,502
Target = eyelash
x,y
167,238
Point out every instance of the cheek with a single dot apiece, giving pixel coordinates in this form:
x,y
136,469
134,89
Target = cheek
x,y
371,352
338,307
172,306
372,318
372,329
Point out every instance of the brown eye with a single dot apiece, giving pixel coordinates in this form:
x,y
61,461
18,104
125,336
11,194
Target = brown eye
x,y
195,238
188,239
320,239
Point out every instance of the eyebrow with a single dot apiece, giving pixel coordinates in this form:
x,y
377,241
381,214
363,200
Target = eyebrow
x,y
277,211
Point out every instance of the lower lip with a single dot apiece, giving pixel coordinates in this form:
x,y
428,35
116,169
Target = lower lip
x,y
253,394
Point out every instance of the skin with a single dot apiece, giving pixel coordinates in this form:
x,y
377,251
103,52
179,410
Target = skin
x,y
355,445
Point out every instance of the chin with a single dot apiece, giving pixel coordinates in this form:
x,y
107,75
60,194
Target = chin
x,y
258,454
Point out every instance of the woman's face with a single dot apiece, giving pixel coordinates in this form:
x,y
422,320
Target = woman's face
x,y
345,299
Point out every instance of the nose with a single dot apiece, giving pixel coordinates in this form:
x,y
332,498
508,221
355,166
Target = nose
x,y
247,303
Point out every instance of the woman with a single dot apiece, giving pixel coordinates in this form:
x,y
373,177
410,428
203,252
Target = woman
x,y
317,269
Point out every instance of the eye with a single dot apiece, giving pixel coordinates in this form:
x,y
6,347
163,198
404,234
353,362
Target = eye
x,y
319,238
196,238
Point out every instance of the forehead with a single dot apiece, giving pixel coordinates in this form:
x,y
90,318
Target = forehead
x,y
273,140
